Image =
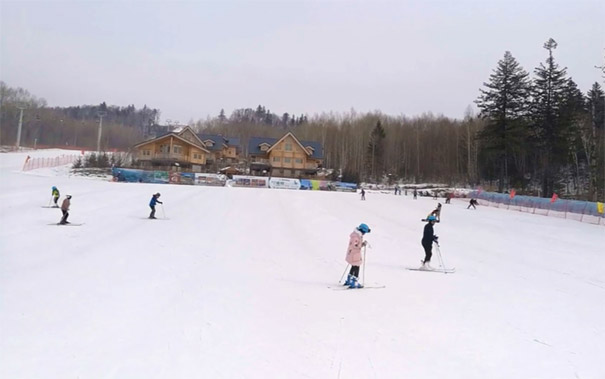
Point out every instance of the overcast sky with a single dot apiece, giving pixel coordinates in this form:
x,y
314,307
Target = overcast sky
x,y
190,59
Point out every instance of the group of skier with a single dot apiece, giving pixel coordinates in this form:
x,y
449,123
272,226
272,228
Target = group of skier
x,y
55,194
354,256
67,203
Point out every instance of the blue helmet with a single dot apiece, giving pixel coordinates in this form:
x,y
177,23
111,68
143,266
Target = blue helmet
x,y
54,188
363,228
431,218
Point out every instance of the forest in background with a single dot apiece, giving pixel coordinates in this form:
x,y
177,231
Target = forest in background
x,y
538,135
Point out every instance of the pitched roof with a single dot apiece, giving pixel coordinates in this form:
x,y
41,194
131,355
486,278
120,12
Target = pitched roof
x,y
175,135
219,141
255,142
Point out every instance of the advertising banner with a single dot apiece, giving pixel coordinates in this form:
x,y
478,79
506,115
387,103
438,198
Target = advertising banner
x,y
210,179
284,183
344,187
187,177
251,181
160,177
175,178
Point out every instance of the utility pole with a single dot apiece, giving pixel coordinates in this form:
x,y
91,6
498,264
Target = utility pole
x,y
18,144
101,115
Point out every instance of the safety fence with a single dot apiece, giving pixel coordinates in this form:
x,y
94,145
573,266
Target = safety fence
x,y
584,211
35,163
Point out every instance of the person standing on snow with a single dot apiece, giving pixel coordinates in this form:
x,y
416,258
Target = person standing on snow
x,y
472,203
55,194
363,194
353,256
65,208
152,202
427,242
415,194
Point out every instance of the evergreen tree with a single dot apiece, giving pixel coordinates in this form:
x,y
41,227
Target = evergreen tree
x,y
591,134
549,92
504,104
221,116
376,150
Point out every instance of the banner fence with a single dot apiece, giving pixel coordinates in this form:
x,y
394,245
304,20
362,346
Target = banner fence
x,y
584,211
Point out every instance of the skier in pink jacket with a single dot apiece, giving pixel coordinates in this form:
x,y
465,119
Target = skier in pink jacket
x,y
354,255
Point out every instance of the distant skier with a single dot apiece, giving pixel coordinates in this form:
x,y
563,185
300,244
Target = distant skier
x,y
472,203
363,194
152,203
354,255
448,197
436,213
427,242
55,194
415,193
65,209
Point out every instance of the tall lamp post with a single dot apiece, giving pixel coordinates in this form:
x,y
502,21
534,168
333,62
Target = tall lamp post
x,y
101,115
18,143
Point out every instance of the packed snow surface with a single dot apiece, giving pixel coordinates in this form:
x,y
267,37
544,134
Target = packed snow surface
x,y
235,283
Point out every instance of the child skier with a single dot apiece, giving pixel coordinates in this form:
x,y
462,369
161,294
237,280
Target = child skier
x,y
55,194
427,242
354,255
436,213
152,202
472,203
65,208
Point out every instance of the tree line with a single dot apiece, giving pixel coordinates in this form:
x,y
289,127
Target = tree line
x,y
76,126
537,134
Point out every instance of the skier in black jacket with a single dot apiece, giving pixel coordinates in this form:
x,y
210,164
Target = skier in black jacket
x,y
427,242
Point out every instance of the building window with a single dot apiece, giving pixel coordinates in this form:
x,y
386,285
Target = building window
x,y
275,159
177,149
146,152
298,160
286,172
288,147
296,173
164,148
287,160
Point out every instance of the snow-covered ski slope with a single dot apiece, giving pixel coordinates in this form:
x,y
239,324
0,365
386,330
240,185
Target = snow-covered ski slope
x,y
235,284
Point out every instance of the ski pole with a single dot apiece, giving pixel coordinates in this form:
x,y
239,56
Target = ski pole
x,y
163,213
343,274
363,279
440,257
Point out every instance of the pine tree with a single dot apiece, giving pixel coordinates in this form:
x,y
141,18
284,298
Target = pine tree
x,y
504,104
376,150
221,116
548,91
595,105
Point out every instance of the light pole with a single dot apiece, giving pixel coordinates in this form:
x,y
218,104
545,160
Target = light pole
x,y
18,144
101,115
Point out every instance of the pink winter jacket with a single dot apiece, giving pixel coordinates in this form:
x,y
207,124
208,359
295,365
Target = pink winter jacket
x,y
354,250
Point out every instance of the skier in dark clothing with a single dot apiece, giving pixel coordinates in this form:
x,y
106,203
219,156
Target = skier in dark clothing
x,y
427,242
415,194
363,194
152,202
472,203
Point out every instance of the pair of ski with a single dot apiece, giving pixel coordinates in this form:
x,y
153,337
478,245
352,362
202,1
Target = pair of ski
x,y
440,270
70,224
368,287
